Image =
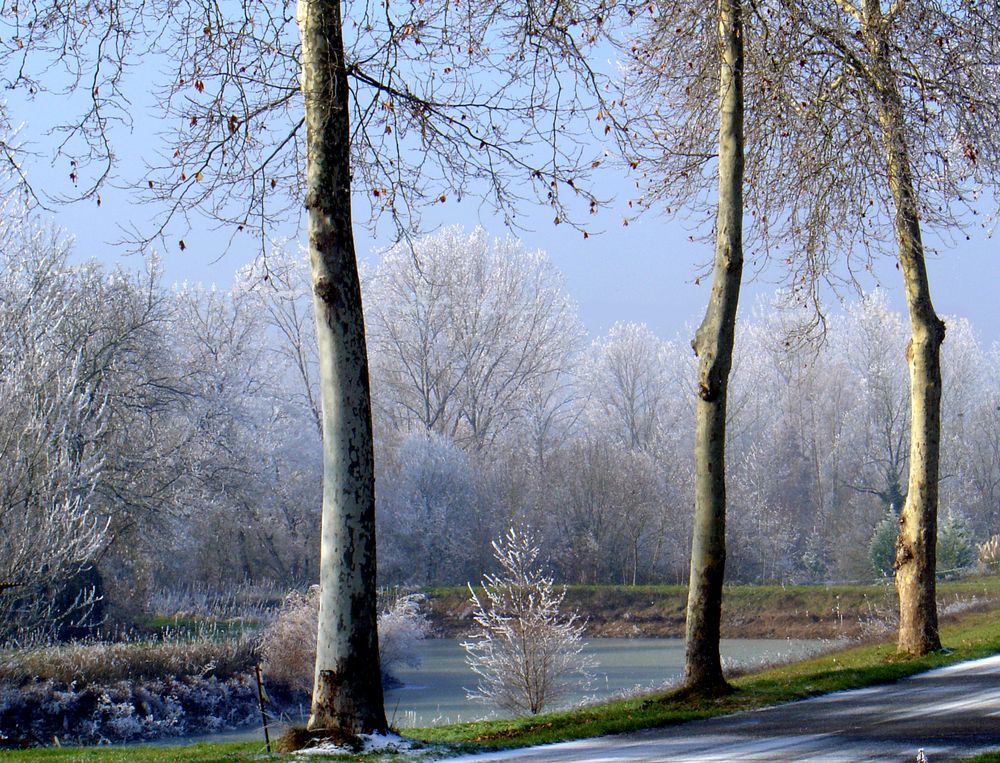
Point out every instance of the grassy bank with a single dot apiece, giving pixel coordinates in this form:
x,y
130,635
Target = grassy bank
x,y
973,635
822,612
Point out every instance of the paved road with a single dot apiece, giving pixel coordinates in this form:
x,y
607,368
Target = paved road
x,y
950,713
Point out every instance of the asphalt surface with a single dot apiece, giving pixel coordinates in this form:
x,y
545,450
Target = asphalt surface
x,y
950,713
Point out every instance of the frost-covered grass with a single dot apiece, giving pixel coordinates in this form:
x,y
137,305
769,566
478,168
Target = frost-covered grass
x,y
95,693
49,712
252,603
195,677
233,752
202,611
377,744
104,663
375,748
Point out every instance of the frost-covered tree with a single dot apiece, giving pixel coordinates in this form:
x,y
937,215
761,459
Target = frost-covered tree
x,y
584,502
610,514
52,450
874,347
970,413
429,504
463,328
525,653
630,391
279,286
253,444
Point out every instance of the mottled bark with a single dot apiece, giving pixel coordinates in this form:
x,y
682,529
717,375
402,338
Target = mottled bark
x,y
916,545
347,695
713,344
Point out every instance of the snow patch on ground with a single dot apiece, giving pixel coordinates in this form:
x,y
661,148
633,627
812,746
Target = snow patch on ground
x,y
380,743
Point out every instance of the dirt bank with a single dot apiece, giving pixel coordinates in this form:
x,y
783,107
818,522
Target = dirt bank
x,y
748,611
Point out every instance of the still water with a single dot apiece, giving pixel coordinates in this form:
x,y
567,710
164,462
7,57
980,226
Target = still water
x,y
434,692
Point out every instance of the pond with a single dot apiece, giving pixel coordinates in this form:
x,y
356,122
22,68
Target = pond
x,y
434,692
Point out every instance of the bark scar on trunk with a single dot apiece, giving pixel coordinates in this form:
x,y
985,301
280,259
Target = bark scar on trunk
x,y
327,291
332,677
904,554
711,383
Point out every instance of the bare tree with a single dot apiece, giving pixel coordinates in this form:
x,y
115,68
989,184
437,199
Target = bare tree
x,y
343,698
874,351
866,118
427,513
713,343
252,444
683,113
266,110
280,282
885,124
397,105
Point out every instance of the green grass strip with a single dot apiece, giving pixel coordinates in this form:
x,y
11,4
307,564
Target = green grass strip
x,y
225,752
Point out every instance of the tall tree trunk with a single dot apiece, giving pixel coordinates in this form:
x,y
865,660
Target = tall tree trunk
x,y
347,695
713,343
916,544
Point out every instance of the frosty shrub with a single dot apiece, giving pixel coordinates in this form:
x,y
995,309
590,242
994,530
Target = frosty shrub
x,y
288,645
90,693
400,626
955,549
989,554
289,642
525,653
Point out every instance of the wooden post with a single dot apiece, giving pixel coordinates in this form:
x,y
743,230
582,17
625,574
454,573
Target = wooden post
x,y
261,700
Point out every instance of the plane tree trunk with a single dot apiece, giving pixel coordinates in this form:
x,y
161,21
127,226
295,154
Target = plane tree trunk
x,y
347,695
916,544
713,343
